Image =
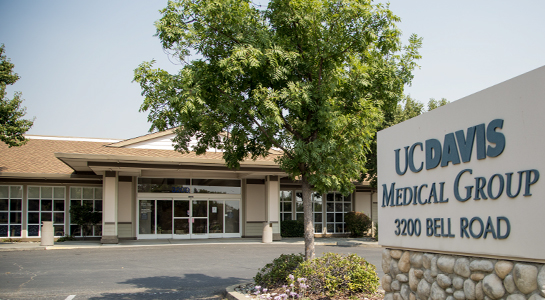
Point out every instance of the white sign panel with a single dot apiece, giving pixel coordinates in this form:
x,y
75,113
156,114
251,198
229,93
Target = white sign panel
x,y
468,177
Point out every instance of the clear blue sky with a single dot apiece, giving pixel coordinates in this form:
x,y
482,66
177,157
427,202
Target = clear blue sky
x,y
76,58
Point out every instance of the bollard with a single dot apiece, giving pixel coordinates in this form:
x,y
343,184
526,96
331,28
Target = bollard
x,y
47,233
267,232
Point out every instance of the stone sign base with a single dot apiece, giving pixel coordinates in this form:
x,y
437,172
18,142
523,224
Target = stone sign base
x,y
411,275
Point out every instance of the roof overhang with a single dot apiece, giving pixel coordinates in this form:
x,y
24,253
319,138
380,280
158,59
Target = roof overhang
x,y
153,166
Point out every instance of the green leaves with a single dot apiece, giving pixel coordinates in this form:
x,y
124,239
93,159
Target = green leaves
x,y
12,126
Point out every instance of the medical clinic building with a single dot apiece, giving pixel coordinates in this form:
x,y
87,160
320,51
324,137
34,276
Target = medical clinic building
x,y
146,190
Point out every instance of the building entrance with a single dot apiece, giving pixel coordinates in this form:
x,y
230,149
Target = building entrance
x,y
187,218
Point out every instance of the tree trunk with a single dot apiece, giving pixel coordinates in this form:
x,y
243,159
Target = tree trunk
x,y
309,227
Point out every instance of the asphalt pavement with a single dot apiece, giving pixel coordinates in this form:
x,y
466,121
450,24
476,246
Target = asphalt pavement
x,y
158,269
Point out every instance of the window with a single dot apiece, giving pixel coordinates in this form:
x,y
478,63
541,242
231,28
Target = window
x,y
299,210
45,203
91,197
285,205
336,206
184,185
11,202
317,212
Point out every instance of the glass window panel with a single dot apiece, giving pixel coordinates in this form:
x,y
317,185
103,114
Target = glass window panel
x,y
59,217
33,192
285,195
3,218
164,216
58,192
46,217
181,209
348,198
181,226
339,228
339,217
33,230
15,231
47,192
87,230
98,230
316,197
286,206
330,207
98,205
232,216
286,216
15,218
88,203
330,197
75,193
338,197
330,218
16,204
75,202
4,191
58,205
199,208
299,196
59,230
318,217
318,228
33,218
98,195
338,207
215,216
330,228
147,217
318,206
16,192
88,193
200,226
163,185
347,207
216,186
3,230
75,230
47,205
3,204
299,206
300,217
33,205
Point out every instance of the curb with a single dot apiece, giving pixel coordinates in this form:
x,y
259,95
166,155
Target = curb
x,y
231,294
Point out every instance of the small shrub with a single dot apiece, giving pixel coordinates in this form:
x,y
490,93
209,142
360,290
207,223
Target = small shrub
x,y
334,274
276,274
66,238
376,232
357,223
292,228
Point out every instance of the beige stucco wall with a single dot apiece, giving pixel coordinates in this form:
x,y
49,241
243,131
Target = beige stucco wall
x,y
255,202
125,215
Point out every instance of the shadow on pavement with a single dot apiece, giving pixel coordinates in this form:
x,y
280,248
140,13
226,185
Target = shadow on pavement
x,y
189,286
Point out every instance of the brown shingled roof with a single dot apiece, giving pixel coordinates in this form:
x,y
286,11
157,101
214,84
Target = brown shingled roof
x,y
38,155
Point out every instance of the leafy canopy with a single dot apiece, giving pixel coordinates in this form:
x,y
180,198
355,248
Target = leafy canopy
x,y
12,126
311,78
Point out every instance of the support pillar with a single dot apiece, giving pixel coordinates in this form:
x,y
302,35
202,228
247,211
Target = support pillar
x,y
109,208
272,204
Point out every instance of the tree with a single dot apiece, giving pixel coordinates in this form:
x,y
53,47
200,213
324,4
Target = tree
x,y
407,108
12,126
313,78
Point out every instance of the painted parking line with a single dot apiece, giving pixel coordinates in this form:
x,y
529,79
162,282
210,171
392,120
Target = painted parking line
x,y
70,297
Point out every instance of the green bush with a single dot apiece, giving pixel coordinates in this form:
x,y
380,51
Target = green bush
x,y
334,274
292,228
357,223
275,274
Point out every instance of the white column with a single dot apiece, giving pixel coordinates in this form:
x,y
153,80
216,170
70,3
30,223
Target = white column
x,y
272,204
109,208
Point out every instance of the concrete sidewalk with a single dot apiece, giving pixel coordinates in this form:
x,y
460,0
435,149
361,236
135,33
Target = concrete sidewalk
x,y
80,244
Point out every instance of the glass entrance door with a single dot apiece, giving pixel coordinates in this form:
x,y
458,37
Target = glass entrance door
x,y
199,219
182,218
